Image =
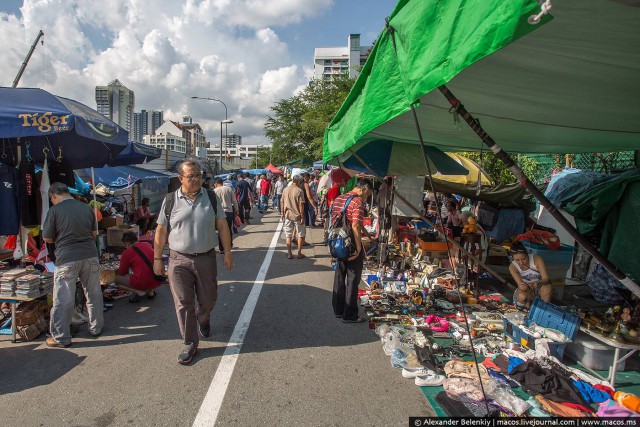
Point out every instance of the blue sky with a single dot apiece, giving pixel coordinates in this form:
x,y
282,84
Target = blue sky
x,y
249,53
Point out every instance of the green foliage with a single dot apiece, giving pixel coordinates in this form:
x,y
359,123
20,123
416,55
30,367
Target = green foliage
x,y
498,171
297,124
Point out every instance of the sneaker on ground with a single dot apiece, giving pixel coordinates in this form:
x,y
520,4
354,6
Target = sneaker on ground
x,y
416,372
205,330
430,380
187,353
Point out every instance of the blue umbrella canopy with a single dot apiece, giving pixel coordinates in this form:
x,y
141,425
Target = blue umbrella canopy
x,y
392,158
39,120
136,154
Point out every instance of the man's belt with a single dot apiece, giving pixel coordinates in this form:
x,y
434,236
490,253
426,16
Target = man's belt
x,y
196,255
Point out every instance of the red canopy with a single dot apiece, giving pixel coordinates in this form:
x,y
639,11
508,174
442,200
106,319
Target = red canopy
x,y
273,169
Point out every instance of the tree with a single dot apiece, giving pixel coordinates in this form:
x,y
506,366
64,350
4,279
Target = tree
x,y
498,172
297,124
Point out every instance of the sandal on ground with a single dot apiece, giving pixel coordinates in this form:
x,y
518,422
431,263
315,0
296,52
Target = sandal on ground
x,y
301,256
358,320
289,256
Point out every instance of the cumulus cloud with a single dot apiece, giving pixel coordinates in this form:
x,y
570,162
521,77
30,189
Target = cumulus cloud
x,y
165,51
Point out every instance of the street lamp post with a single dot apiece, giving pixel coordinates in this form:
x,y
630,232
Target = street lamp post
x,y
226,120
225,124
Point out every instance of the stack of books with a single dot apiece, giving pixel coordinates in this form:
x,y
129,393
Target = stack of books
x,y
8,283
28,286
46,283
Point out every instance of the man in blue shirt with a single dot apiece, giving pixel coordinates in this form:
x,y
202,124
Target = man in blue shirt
x,y
243,190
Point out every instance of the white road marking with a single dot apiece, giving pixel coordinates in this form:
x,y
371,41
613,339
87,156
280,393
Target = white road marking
x,y
212,402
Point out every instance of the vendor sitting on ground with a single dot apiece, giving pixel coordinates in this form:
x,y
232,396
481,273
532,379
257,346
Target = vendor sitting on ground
x,y
144,218
142,281
531,276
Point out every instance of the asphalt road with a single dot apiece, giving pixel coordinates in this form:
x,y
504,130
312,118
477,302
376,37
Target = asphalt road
x,y
297,363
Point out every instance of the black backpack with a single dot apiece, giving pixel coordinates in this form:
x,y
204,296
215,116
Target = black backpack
x,y
340,238
170,200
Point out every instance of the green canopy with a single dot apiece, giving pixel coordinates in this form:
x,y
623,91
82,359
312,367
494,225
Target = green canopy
x,y
567,85
303,161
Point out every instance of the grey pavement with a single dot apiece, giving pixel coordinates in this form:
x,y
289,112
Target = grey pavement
x,y
298,365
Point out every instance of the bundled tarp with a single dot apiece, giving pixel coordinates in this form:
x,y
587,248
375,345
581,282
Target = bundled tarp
x,y
611,208
508,195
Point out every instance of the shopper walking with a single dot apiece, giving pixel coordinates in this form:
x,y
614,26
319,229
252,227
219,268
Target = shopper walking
x,y
70,225
349,273
279,188
229,203
191,218
292,214
311,208
265,191
243,194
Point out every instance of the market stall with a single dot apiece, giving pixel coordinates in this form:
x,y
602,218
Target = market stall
x,y
46,136
508,62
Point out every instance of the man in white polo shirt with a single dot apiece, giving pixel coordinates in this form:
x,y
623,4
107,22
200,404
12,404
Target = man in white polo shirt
x,y
192,222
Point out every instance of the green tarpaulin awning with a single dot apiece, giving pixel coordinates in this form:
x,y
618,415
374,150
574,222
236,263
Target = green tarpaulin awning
x,y
567,85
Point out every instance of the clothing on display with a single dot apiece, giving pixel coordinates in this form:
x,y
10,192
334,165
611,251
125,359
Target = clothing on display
x,y
9,201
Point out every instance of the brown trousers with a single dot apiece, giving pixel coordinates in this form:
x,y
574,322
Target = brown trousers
x,y
192,277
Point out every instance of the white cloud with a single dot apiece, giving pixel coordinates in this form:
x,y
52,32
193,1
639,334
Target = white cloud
x,y
165,51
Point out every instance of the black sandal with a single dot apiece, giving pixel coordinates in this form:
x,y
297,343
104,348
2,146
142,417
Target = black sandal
x,y
134,299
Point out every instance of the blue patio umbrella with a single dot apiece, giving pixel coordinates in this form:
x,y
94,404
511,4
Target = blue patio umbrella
x,y
391,158
136,154
38,120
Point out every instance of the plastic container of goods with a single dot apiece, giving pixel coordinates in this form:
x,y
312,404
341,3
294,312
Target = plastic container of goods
x,y
546,315
557,262
592,353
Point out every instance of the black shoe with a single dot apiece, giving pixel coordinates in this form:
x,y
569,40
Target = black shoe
x,y
134,299
356,320
152,295
205,330
187,353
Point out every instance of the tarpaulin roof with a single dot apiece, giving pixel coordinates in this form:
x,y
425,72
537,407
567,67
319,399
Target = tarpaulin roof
x,y
271,168
122,177
567,85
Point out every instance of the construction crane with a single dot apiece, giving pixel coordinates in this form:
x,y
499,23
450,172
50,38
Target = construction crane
x,y
26,60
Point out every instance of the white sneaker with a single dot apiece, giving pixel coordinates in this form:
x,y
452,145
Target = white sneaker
x,y
430,380
417,372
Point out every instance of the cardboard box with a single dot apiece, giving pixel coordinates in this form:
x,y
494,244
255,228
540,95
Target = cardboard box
x,y
110,221
114,234
434,246
107,276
